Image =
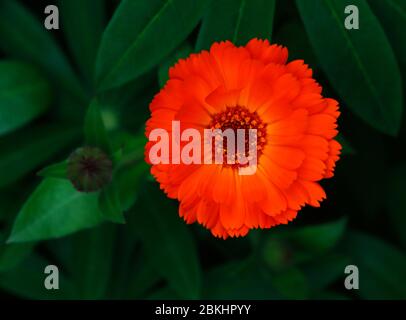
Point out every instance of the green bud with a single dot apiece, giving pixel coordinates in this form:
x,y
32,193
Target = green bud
x,y
89,169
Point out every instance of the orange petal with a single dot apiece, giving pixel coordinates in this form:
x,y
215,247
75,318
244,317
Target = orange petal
x,y
334,155
262,50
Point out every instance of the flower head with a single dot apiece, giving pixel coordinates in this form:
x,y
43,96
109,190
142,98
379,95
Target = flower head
x,y
251,87
89,169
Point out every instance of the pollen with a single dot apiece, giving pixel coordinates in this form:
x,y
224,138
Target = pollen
x,y
235,118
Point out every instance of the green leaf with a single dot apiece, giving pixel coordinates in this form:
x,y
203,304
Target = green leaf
x,y
92,254
27,281
142,279
360,64
95,131
129,181
60,250
168,242
36,144
318,238
128,94
140,34
135,272
131,169
381,267
24,95
246,279
392,14
296,245
325,270
24,37
132,148
291,283
53,210
12,254
396,201
109,204
56,170
11,199
182,52
292,35
82,33
236,20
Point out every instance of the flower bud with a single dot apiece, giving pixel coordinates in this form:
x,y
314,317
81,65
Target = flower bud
x,y
89,169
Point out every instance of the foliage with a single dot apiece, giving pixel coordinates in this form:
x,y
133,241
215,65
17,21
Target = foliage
x,y
90,84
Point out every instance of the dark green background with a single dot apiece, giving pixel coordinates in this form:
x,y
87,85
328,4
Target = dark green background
x,y
91,82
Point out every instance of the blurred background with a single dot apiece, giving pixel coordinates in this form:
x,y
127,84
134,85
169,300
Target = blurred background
x,y
91,81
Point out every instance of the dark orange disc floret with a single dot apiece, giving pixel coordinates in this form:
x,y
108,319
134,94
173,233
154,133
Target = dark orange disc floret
x,y
239,118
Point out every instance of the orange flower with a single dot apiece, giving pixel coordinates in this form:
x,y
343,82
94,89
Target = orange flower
x,y
248,87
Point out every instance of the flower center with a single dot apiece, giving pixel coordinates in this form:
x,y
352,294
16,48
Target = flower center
x,y
235,118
